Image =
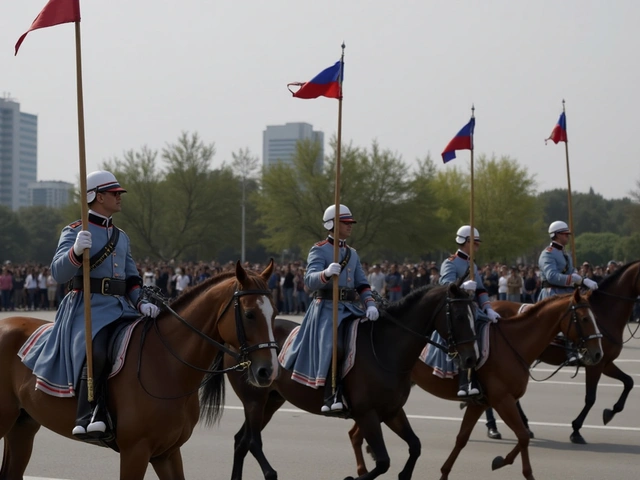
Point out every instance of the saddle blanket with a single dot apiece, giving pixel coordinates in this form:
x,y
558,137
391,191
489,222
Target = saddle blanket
x,y
117,353
349,354
443,366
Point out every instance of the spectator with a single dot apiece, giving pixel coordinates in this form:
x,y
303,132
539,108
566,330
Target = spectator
x,y
393,284
376,279
503,283
52,288
31,284
6,285
530,287
514,285
19,300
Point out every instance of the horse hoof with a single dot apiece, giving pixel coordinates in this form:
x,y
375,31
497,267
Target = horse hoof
x,y
607,415
577,438
349,478
497,463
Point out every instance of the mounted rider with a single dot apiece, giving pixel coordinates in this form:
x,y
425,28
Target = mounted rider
x,y
60,365
310,354
457,267
557,272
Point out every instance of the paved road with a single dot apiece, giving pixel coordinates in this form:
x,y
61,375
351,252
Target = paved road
x,y
304,446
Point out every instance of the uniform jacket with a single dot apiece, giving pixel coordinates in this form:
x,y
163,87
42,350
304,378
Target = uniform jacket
x,y
556,268
309,356
57,358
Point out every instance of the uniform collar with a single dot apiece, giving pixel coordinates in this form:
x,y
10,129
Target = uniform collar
x,y
557,245
343,243
462,255
101,220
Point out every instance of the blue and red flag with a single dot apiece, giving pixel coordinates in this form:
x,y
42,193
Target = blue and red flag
x,y
54,12
462,141
328,83
559,133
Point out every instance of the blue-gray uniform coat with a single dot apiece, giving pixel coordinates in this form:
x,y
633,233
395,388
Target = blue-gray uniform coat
x,y
556,268
58,356
309,356
452,269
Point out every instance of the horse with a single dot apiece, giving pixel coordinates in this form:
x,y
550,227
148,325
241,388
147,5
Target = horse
x,y
514,344
154,399
378,384
612,304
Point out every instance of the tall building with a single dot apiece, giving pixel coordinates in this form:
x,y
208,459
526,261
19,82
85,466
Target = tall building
x,y
54,194
18,153
279,142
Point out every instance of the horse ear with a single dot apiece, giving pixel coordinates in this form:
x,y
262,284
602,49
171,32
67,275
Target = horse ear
x,y
241,274
266,273
454,288
576,295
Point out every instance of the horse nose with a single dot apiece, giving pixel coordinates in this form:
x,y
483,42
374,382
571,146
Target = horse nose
x,y
264,374
597,357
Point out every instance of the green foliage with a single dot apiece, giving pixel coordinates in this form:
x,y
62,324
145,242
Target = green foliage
x,y
43,225
13,237
507,210
596,248
628,248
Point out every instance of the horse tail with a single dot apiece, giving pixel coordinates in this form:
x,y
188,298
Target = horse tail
x,y
212,393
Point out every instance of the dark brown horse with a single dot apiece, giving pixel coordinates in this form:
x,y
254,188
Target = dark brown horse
x,y
515,344
612,305
154,399
377,386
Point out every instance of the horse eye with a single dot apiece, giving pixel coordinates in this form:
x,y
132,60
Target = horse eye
x,y
249,315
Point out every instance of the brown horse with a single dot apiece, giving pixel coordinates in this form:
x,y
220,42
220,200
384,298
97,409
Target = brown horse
x,y
377,386
612,305
154,399
515,344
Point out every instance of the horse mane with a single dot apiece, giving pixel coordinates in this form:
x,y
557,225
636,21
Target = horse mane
x,y
407,302
539,306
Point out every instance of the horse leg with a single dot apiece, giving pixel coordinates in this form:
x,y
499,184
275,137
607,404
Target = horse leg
x,y
611,370
134,462
591,386
356,442
400,426
371,430
471,416
169,467
249,437
18,445
508,411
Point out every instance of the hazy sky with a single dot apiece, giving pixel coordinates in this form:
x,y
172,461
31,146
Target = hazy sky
x,y
153,69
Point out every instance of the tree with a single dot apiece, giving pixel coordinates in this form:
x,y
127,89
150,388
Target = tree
x,y
628,248
506,209
42,226
596,248
14,240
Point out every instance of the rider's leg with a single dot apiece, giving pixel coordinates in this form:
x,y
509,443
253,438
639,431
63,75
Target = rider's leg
x,y
492,429
468,383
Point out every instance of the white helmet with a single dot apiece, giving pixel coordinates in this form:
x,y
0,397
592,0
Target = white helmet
x,y
101,181
558,227
330,213
463,234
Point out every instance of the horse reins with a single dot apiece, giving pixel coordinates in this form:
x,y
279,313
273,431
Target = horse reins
x,y
573,308
446,301
240,357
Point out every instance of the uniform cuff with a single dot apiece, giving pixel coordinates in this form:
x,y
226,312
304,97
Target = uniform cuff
x,y
75,260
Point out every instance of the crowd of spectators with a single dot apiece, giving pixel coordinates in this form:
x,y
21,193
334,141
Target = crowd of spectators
x,y
32,287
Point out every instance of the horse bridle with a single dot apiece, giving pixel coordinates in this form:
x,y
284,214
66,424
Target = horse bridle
x,y
241,357
573,310
451,339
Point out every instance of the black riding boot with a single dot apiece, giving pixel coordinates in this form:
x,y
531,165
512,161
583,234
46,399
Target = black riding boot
x,y
85,409
468,386
333,403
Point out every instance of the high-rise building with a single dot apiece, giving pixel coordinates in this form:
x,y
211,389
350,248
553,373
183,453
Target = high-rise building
x,y
54,194
279,142
18,153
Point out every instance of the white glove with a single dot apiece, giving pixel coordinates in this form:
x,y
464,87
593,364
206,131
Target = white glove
x,y
372,313
493,315
590,284
576,279
470,285
83,241
149,310
332,269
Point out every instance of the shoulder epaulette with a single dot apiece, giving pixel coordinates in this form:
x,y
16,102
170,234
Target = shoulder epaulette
x,y
452,257
323,242
549,249
75,224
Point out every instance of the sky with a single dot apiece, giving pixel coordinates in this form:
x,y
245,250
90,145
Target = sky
x,y
413,69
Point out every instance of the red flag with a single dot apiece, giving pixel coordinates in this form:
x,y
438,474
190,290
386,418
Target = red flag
x,y
54,13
